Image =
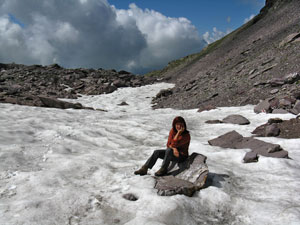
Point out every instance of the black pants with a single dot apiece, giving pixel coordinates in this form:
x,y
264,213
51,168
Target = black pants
x,y
167,156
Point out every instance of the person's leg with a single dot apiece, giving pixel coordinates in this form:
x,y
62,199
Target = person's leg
x,y
169,156
150,162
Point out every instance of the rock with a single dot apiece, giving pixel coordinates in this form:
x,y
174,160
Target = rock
x,y
291,78
130,197
206,108
279,111
274,91
169,185
272,130
275,82
236,141
123,104
54,103
274,120
297,106
290,38
285,103
228,140
250,157
213,121
263,106
236,119
185,178
120,83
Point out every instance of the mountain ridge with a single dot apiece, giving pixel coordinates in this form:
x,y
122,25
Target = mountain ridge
x,y
232,71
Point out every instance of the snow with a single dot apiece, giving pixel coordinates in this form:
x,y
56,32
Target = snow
x,y
73,166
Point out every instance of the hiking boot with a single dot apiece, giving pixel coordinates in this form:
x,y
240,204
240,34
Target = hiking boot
x,y
162,171
142,171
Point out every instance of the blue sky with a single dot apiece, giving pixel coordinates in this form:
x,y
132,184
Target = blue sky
x,y
204,14
133,35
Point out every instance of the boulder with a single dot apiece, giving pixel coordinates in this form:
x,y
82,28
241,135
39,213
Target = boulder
x,y
236,119
55,103
206,108
297,106
250,157
184,178
291,78
228,140
236,141
272,130
279,111
213,121
263,106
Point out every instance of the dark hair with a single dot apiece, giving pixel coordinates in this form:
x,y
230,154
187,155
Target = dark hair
x,y
179,119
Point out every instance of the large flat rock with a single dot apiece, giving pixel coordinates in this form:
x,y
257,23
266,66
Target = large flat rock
x,y
184,178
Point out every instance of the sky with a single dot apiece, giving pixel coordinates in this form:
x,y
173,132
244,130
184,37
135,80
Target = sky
x,y
134,35
73,166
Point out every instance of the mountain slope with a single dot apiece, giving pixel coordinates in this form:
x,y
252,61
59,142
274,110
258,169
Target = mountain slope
x,y
236,70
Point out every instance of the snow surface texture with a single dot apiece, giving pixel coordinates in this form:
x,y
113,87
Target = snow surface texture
x,y
73,166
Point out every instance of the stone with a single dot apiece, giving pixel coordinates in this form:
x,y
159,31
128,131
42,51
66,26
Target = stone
x,y
250,157
263,106
274,91
274,120
236,119
290,38
184,178
272,130
236,141
130,197
123,104
297,106
206,108
228,140
55,103
213,121
285,103
279,111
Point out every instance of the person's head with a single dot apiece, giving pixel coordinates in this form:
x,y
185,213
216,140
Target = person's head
x,y
179,122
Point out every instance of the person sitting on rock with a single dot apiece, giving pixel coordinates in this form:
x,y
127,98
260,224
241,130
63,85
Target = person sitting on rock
x,y
177,149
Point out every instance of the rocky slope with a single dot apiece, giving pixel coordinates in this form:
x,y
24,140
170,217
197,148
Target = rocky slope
x,y
41,85
250,64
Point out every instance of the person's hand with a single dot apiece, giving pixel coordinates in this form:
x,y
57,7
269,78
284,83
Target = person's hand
x,y
175,152
180,130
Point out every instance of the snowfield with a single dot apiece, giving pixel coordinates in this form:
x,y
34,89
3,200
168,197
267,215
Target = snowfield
x,y
73,166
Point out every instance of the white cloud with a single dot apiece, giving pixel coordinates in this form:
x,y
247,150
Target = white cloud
x,y
249,18
92,33
214,35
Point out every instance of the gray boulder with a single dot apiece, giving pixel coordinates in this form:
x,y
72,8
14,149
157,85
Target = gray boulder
x,y
297,106
184,178
236,119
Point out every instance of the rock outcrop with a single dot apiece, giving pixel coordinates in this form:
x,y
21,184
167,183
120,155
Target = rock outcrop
x,y
236,141
185,178
20,84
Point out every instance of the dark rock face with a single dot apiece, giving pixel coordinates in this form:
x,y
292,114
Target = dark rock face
x,y
236,141
259,60
185,178
20,84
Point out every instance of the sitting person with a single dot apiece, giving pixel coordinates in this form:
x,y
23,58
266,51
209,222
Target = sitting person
x,y
177,149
